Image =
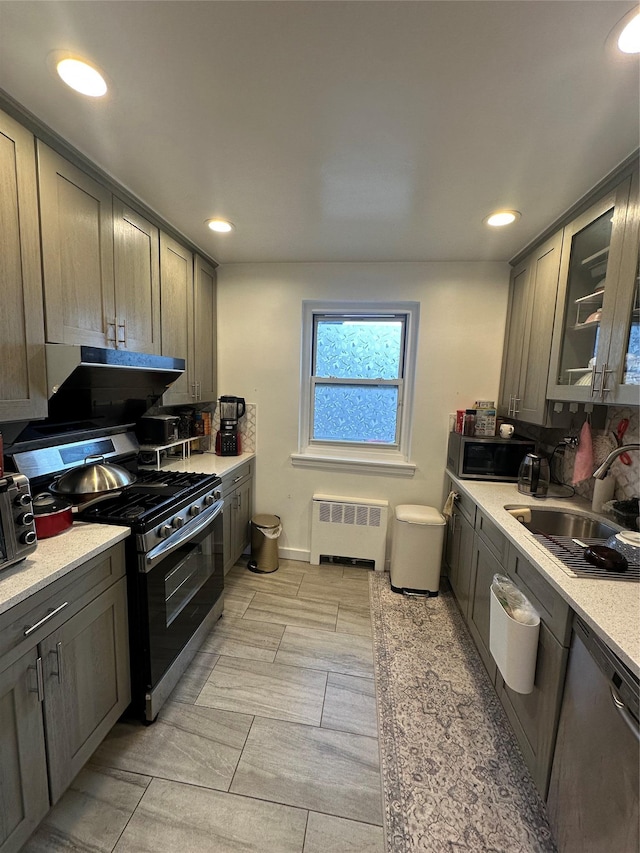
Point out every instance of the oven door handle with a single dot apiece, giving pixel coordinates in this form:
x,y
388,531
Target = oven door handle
x,y
186,533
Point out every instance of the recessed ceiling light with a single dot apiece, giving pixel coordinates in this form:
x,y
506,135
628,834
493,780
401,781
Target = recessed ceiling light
x,y
629,38
220,225
82,77
501,217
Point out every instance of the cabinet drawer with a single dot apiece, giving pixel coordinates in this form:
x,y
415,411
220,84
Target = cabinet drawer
x,y
491,536
57,602
465,505
554,611
236,477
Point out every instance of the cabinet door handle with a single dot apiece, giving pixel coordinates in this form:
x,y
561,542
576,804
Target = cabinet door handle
x,y
239,500
59,660
29,629
605,371
122,340
594,373
39,689
194,394
112,324
515,408
623,711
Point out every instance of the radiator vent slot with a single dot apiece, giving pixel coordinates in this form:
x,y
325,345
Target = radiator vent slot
x,y
349,527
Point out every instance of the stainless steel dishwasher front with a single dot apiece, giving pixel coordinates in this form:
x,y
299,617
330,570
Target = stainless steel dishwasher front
x,y
594,789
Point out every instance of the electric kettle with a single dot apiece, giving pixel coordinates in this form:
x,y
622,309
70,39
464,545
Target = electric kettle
x,y
533,476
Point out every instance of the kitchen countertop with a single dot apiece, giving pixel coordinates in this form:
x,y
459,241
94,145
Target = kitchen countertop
x,y
610,607
56,557
207,463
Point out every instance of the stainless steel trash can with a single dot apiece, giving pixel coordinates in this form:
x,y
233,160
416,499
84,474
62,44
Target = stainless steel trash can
x,y
265,532
416,549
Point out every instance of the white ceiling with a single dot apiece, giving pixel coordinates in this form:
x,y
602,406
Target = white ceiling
x,y
346,131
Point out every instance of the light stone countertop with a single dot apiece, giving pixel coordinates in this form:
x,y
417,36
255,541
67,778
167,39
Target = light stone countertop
x,y
207,463
610,607
56,557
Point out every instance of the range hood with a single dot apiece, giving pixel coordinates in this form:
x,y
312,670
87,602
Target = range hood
x,y
107,385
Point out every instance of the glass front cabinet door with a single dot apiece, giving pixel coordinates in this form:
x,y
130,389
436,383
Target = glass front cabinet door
x,y
595,354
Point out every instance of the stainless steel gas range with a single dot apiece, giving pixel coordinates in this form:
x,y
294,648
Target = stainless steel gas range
x,y
174,557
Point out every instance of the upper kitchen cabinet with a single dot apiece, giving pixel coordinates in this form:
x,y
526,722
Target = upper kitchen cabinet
x,y
176,284
22,378
188,286
77,254
525,366
137,280
595,353
622,373
205,337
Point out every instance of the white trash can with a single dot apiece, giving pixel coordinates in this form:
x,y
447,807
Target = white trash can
x,y
265,531
416,549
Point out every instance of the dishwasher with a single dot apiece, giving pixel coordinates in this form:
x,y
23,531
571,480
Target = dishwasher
x,y
594,789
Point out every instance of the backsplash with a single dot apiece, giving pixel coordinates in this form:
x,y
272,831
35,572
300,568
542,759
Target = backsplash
x,y
627,476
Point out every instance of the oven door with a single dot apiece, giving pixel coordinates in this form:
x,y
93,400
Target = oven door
x,y
178,585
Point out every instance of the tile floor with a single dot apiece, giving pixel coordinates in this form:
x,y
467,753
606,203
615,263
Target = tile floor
x,y
268,743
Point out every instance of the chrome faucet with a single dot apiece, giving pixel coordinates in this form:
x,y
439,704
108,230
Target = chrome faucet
x,y
601,471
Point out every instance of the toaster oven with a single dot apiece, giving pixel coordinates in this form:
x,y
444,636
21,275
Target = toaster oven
x,y
157,429
17,524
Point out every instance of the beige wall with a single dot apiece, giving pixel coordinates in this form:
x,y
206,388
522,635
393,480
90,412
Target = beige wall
x,y
462,320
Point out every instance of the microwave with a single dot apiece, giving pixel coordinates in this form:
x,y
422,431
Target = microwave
x,y
486,458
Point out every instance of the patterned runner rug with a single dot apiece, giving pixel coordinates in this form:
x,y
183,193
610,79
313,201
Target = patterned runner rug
x,y
453,775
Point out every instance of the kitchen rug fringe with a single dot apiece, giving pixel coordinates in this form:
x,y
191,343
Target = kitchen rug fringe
x,y
452,773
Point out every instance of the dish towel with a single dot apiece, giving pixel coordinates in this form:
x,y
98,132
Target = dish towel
x,y
583,464
447,509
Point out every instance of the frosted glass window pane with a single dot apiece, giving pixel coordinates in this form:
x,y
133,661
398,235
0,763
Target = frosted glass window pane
x,y
363,413
358,349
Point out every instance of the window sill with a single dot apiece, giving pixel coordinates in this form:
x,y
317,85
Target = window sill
x,y
363,466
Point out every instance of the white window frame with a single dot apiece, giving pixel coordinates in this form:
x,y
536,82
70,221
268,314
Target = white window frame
x,y
348,455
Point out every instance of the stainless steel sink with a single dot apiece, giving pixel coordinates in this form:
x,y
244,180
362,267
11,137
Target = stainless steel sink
x,y
557,522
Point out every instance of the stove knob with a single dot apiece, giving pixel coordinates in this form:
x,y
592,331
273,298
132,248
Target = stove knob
x,y
194,510
23,499
165,530
209,499
177,522
28,538
25,519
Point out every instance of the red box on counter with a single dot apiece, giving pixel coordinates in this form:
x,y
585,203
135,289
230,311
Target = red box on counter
x,y
459,419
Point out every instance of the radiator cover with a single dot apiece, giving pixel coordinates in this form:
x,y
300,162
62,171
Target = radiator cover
x,y
349,527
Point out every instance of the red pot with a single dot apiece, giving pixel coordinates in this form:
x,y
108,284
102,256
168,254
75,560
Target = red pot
x,y
52,515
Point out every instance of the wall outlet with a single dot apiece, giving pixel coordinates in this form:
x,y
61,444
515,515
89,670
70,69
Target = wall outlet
x,y
571,440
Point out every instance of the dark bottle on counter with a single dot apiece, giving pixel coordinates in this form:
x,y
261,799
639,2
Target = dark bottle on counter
x,y
469,422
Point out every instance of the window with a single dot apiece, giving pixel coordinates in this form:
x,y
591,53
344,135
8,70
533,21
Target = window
x,y
357,383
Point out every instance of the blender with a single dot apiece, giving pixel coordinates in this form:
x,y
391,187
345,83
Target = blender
x,y
228,440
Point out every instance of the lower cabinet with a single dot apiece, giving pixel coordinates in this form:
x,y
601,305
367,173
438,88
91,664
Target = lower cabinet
x,y
483,567
62,687
24,799
473,556
534,716
459,558
237,491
